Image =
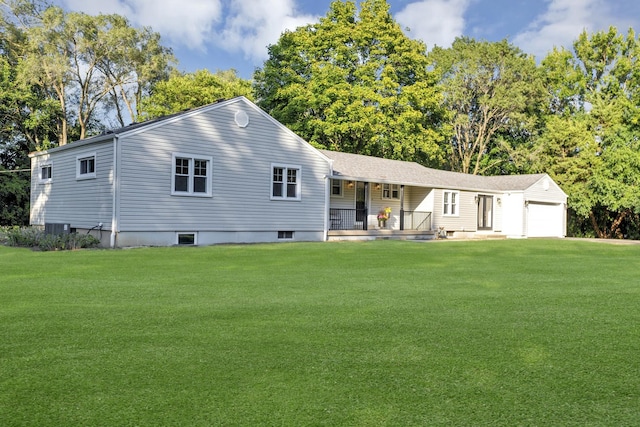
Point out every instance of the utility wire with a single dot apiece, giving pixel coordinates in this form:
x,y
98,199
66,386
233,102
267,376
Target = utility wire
x,y
15,170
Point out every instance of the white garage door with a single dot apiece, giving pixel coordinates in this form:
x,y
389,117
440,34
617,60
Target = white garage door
x,y
545,220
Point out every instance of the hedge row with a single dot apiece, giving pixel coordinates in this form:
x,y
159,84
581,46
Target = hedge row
x,y
33,237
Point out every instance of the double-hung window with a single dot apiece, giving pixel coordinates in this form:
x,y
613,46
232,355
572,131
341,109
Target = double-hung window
x,y
192,175
336,187
450,200
86,166
285,182
391,191
46,173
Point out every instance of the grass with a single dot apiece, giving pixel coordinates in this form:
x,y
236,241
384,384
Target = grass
x,y
501,333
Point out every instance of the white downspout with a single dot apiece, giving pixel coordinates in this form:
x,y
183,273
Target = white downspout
x,y
114,213
327,206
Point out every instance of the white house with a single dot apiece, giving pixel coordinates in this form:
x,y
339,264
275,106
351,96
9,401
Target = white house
x,y
228,172
451,203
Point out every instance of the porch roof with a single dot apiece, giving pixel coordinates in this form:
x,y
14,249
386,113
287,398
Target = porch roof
x,y
374,169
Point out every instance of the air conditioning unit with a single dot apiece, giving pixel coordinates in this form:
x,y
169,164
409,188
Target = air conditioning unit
x,y
55,228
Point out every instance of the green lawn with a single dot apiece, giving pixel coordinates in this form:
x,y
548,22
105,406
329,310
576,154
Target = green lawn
x,y
502,333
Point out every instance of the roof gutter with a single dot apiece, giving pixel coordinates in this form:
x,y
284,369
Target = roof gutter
x,y
416,184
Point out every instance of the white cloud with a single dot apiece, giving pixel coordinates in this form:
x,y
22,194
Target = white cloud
x,y
186,22
251,25
245,26
562,23
436,22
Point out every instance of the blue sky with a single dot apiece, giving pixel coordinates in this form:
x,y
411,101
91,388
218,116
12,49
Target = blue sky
x,y
223,34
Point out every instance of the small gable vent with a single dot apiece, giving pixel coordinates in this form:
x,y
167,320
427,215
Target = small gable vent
x,y
242,119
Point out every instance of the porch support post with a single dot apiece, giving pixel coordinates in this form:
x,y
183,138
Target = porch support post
x,y
365,220
402,207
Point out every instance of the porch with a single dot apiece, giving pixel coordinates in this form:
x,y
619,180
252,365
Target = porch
x,y
357,224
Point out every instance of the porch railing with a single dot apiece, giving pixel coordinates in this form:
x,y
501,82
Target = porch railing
x,y
356,219
417,220
347,219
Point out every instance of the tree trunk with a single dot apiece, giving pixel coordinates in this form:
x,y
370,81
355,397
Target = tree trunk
x,y
594,223
615,226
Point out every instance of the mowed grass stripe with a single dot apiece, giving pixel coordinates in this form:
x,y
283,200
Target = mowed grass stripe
x,y
532,332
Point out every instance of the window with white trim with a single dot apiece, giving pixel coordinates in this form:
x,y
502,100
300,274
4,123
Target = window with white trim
x,y
285,182
192,175
46,173
391,191
450,200
336,187
86,166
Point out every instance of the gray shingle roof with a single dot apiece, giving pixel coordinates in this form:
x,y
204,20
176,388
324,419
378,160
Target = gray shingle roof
x,y
375,169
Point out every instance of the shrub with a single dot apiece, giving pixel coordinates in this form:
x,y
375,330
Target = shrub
x,y
34,237
23,236
3,235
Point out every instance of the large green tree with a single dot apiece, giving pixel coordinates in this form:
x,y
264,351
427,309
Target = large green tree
x,y
355,82
28,119
493,90
591,142
185,91
138,63
86,62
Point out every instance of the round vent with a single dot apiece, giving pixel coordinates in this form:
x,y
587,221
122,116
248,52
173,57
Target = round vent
x,y
242,119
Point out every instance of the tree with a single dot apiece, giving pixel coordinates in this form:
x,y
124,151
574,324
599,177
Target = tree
x,y
83,61
28,121
138,63
591,142
354,82
56,71
492,89
185,91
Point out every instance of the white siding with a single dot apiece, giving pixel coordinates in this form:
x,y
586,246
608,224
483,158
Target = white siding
x,y
420,199
466,220
82,203
545,191
497,213
513,214
242,159
348,198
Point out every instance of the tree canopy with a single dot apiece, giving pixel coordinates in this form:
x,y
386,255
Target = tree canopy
x,y
591,140
491,88
355,82
83,63
185,91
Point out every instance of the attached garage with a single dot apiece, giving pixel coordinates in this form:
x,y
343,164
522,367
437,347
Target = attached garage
x,y
545,219
532,206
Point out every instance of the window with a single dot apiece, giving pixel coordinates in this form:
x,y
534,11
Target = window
x,y
285,235
186,238
46,173
391,191
86,166
336,187
450,203
192,175
285,182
